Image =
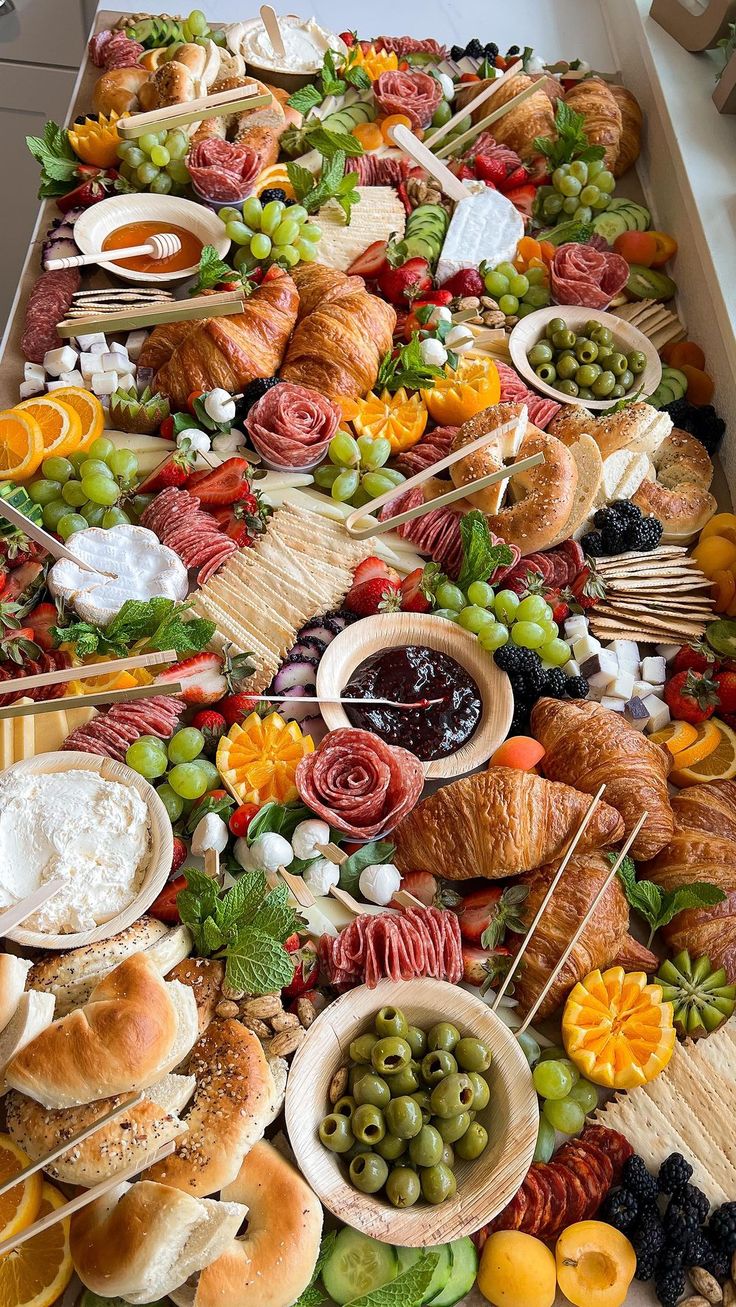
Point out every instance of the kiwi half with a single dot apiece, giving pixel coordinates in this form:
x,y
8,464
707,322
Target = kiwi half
x,y
701,996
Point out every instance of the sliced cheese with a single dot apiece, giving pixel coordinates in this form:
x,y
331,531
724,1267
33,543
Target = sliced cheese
x,y
379,215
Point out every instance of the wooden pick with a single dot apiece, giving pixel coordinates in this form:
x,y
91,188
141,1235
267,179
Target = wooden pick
x,y
302,893
103,699
405,139
220,305
181,115
332,853
568,950
212,863
58,677
347,900
407,900
488,91
42,1163
19,911
465,138
271,24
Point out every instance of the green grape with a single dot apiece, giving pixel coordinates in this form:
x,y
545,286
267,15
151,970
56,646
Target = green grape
x,y
93,467
570,204
101,490
114,517
298,213
211,773
124,463
481,593
589,195
161,185
596,167
527,634
569,186
507,269
100,448
289,255
493,636
252,211
228,214
128,173
450,614
531,609
473,618
583,213
545,1145
345,485
188,780
73,494
551,630
70,523
197,23
606,182
558,175
185,745
508,304
536,276
160,156
146,173
239,233
360,497
553,1053
571,1067
442,114
496,284
286,232
44,492
177,144
260,246
376,483
525,309
343,450
537,297
147,756
556,652
94,513
552,1079
53,513
602,201
306,251
309,231
365,446
57,469
124,147
135,157
505,605
173,802
529,1047
552,206
579,169
244,259
325,476
178,171
396,478
450,596
271,217
518,285
585,1095
147,142
564,1115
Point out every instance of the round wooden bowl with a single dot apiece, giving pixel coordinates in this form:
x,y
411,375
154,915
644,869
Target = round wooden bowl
x,y
511,1118
283,78
529,330
392,630
99,220
161,841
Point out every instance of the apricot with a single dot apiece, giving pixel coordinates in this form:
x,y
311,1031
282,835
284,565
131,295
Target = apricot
x,y
595,1264
520,751
723,524
714,554
517,1270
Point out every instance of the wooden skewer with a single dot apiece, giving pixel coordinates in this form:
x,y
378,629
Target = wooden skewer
x,y
302,893
560,964
19,911
271,24
322,698
411,145
85,1198
546,900
37,533
89,670
219,305
466,137
180,115
212,863
42,1163
104,699
435,137
407,900
347,900
332,853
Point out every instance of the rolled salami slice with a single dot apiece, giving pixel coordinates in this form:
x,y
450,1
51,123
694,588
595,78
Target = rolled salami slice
x,y
414,94
292,426
582,275
222,171
359,784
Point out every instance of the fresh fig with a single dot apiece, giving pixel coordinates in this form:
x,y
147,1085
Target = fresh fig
x,y
700,995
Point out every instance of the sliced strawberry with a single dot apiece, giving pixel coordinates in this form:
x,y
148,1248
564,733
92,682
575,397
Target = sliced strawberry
x,y
487,913
423,885
20,580
41,620
370,263
174,471
381,595
164,906
483,967
413,598
224,484
371,567
201,677
522,198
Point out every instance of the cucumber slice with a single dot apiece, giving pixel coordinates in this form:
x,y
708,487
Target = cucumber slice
x,y
358,1265
609,225
636,217
462,1275
408,1256
420,246
676,380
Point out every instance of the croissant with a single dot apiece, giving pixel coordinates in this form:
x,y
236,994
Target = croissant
x,y
497,823
586,745
702,848
342,335
631,124
162,342
519,127
594,99
604,941
230,352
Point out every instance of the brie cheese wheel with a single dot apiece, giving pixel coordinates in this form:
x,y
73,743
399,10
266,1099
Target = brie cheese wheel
x,y
485,226
126,562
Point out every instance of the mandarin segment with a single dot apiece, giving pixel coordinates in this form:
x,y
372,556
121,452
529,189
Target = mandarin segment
x,y
259,759
617,1029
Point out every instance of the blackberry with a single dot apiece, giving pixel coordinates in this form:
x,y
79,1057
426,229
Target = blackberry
x,y
692,1199
251,393
272,193
648,1241
700,421
577,687
490,50
519,721
621,1210
626,508
615,536
722,1228
699,1251
639,1181
645,534
601,517
673,1173
512,658
513,49
456,53
681,1223
474,49
555,683
669,1284
592,544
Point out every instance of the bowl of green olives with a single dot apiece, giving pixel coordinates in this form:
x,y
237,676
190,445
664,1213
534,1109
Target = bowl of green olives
x,y
580,356
412,1125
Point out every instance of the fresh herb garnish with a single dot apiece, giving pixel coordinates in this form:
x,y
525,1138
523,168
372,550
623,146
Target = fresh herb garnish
x,y
366,856
313,1295
565,233
571,143
281,818
212,270
658,906
329,142
480,556
58,161
332,79
245,926
407,1290
160,622
334,184
506,917
407,368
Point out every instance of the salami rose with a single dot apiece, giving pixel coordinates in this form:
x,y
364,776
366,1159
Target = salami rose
x,y
222,171
291,426
582,275
359,784
415,94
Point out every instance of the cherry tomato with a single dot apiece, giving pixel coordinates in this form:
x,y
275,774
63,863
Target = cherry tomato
x,y
241,819
193,394
164,906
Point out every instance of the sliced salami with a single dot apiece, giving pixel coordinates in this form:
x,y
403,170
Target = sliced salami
x,y
48,303
414,94
97,45
582,275
222,171
403,45
374,171
359,784
615,1145
292,426
394,946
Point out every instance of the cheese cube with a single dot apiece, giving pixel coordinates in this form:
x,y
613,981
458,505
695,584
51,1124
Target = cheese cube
x,y
654,670
596,692
636,714
599,681
90,340
643,688
34,372
602,663
572,668
622,686
60,360
134,343
584,646
614,705
659,713
113,361
576,625
98,347
627,654
89,363
27,389
73,378
59,383
667,651
104,383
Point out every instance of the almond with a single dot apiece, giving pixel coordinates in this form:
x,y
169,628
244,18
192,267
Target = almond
x,y
227,1007
306,1011
263,1008
287,1042
706,1284
256,1026
285,1021
338,1084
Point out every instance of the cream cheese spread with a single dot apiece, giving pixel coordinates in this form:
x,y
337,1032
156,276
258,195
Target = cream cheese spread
x,y
91,833
305,45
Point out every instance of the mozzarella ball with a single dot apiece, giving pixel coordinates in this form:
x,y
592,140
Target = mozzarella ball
x,y
193,439
209,833
433,352
271,851
379,882
320,875
219,405
307,835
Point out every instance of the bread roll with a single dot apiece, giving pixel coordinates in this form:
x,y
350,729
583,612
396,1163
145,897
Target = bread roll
x,y
679,496
119,90
13,974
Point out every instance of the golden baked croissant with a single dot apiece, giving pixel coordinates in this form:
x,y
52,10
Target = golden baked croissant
x,y
594,99
162,342
497,823
230,352
702,848
631,123
342,334
520,126
603,942
586,744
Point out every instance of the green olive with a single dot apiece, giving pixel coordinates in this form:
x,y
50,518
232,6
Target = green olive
x,y
417,1041
481,1091
617,391
345,1106
472,1055
452,1128
604,353
540,353
593,324
404,1117
452,1095
362,1047
586,350
437,1065
601,334
356,1150
426,1147
554,324
368,1124
586,374
586,393
627,379
404,1082
567,387
637,361
368,1173
473,1142
372,1089
438,1183
564,339
356,1074
403,1187
390,1055
617,363
391,1021
391,1147
336,1134
421,1098
546,372
567,366
443,1036
448,1153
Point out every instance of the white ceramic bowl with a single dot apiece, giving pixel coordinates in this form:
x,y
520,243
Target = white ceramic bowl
x,y
531,329
97,222
265,72
161,845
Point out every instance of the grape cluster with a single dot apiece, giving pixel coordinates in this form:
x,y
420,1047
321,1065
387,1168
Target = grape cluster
x,y
578,191
566,1097
499,616
155,162
356,473
83,490
188,774
517,292
270,233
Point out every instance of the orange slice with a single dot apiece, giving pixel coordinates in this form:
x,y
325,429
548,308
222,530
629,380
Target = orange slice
x,y
399,418
617,1029
89,409
21,445
61,426
675,736
19,1206
707,739
38,1272
259,759
719,764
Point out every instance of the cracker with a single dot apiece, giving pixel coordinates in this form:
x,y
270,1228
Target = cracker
x,y
654,1135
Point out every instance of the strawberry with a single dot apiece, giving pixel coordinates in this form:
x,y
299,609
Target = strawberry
x,y
490,169
697,657
691,696
244,520
522,198
467,281
348,38
201,677
372,567
179,854
486,914
17,645
306,966
517,177
174,471
483,967
225,484
406,282
212,725
166,430
94,189
164,907
371,263
413,597
20,580
16,548
381,595
236,707
560,607
726,682
42,619
423,885
3,579
587,589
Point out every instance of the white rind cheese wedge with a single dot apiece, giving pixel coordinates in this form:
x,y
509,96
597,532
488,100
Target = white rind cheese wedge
x,y
485,226
125,562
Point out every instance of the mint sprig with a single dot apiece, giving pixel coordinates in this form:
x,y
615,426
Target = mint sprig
x,y
245,926
212,270
407,1290
58,161
658,906
162,623
334,184
572,141
481,556
407,368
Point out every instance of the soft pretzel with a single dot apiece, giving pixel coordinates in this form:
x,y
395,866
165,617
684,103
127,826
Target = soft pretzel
x,y
492,457
680,496
545,496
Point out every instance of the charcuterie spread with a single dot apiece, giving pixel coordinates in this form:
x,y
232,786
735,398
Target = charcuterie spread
x,y
368,703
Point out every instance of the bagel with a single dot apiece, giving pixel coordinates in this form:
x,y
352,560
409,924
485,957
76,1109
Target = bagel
x,y
119,90
204,976
544,496
272,1264
13,975
639,428
492,457
680,496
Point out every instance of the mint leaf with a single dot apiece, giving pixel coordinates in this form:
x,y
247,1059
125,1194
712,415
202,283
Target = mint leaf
x,y
212,270
212,935
300,178
244,899
378,851
199,900
481,556
407,368
138,618
328,142
313,1295
306,98
700,895
658,906
357,77
58,161
407,1290
275,917
257,963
